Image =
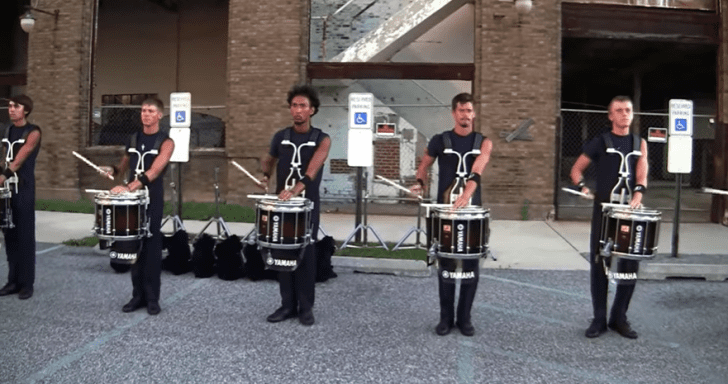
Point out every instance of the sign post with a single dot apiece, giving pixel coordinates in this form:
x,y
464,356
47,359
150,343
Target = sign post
x,y
180,120
359,148
679,155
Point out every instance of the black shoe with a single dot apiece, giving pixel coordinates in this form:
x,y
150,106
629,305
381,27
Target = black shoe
x,y
281,314
153,308
623,328
596,329
306,318
133,304
444,327
25,293
466,328
9,289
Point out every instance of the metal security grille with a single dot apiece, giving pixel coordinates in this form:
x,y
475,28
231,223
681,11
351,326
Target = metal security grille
x,y
113,124
580,126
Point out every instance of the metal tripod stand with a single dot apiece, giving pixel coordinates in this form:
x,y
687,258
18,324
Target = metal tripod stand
x,y
223,232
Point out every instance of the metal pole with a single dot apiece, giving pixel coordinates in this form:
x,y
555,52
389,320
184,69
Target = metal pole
x,y
179,191
676,218
357,222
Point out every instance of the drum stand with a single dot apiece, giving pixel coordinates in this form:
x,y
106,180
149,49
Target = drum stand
x,y
364,227
223,232
176,220
418,229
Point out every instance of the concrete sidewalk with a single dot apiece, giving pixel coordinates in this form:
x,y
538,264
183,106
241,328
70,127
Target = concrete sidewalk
x,y
537,245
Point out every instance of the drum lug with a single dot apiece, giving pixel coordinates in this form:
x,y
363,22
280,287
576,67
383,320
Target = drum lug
x,y
607,250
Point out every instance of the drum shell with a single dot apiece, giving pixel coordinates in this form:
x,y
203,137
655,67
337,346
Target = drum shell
x,y
6,211
122,216
462,233
283,224
633,232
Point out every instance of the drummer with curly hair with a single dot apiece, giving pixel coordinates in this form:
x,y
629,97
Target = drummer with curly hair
x,y
298,153
148,152
459,185
607,169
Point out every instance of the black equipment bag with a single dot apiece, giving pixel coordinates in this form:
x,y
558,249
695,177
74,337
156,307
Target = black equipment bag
x,y
203,258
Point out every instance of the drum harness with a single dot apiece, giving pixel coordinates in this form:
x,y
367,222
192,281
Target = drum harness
x,y
294,176
10,154
139,169
621,193
458,186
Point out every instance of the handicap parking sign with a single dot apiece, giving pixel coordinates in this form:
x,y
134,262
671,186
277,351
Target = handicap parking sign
x,y
360,118
681,125
180,116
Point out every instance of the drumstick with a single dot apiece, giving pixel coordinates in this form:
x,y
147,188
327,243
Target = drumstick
x,y
274,197
240,167
94,166
715,191
582,194
392,183
96,191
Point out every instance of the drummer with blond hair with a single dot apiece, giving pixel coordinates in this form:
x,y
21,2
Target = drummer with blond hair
x,y
297,153
462,155
608,173
148,153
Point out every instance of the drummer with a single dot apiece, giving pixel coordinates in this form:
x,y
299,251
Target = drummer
x,y
607,168
20,161
296,176
463,140
146,271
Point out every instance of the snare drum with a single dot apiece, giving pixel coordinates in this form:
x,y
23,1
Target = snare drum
x,y
122,216
460,233
6,212
634,233
283,224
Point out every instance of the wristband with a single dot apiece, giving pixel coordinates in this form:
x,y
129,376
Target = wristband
x,y
8,173
144,179
421,182
305,180
475,177
640,188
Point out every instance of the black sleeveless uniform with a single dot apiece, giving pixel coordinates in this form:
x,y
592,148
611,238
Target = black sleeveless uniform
x,y
146,271
448,164
20,241
607,170
297,287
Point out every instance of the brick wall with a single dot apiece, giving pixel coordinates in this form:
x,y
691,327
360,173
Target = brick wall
x,y
518,76
57,82
386,158
267,50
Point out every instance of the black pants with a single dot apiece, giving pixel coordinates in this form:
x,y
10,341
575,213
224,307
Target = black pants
x,y
467,295
599,280
298,291
147,270
20,241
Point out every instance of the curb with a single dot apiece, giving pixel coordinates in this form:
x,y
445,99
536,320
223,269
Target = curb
x,y
397,267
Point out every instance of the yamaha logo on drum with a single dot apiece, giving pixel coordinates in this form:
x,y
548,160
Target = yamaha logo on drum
x,y
446,274
107,222
269,260
461,238
638,239
276,228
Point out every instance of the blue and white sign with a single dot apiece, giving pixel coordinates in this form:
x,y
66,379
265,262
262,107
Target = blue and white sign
x,y
681,117
361,110
180,109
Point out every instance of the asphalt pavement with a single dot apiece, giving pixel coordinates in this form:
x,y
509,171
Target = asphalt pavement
x,y
530,314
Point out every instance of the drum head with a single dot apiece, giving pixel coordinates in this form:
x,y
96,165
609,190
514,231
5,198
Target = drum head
x,y
465,213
